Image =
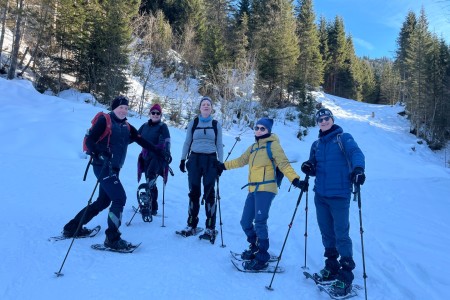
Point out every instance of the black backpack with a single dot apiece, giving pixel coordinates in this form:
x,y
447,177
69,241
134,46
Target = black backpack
x,y
195,127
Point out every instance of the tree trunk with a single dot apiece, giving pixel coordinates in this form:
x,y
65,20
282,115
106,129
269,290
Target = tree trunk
x,y
3,19
16,45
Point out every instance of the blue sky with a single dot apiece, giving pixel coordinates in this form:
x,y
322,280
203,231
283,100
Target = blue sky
x,y
375,24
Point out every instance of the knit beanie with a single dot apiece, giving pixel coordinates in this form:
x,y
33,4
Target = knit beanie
x,y
324,112
156,107
266,122
118,101
207,99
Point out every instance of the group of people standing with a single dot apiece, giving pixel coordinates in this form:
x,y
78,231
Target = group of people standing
x,y
335,160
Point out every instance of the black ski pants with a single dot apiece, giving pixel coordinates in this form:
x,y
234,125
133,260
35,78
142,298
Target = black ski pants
x,y
111,192
202,166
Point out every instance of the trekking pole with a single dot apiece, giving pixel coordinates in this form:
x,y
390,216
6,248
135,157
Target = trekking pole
x,y
58,274
136,210
358,192
87,169
237,140
306,228
231,150
220,212
164,192
106,162
269,287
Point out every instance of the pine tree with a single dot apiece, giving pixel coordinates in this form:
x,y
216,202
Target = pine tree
x,y
243,8
403,43
437,101
323,39
103,47
279,51
416,65
310,65
389,83
240,45
337,48
369,91
214,45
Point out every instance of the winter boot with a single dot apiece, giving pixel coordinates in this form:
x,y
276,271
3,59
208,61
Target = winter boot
x,y
262,255
343,284
331,269
118,244
255,265
69,233
210,234
249,254
190,231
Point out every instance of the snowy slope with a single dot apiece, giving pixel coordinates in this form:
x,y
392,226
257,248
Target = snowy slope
x,y
405,205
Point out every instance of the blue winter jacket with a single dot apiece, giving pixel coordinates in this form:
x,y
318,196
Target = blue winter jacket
x,y
332,167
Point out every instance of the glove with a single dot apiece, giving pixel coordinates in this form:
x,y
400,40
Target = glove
x,y
358,176
167,157
161,152
183,166
220,168
301,184
308,168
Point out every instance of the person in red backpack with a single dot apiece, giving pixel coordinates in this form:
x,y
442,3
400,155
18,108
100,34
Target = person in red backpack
x,y
108,156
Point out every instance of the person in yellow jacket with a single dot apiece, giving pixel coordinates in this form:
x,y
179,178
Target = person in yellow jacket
x,y
262,187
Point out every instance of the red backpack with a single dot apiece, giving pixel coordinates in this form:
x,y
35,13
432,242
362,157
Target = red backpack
x,y
106,133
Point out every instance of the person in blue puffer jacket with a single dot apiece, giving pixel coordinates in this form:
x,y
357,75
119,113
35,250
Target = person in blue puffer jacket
x,y
337,162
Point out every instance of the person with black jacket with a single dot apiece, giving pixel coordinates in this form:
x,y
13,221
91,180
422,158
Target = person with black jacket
x,y
151,164
108,157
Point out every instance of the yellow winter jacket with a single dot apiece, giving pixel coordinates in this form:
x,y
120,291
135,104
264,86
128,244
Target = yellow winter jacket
x,y
260,167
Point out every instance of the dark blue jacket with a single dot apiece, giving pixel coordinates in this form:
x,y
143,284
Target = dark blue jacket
x,y
156,133
121,136
333,165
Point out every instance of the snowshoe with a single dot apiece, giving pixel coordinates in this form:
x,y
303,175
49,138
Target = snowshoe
x,y
189,231
145,203
210,235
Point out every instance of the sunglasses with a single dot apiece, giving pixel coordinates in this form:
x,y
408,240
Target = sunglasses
x,y
320,120
155,113
260,128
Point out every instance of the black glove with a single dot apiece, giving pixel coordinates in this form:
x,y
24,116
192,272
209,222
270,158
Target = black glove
x,y
301,184
220,168
183,166
358,176
308,168
167,157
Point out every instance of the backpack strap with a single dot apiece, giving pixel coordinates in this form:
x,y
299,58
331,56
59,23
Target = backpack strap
x,y
194,127
108,127
338,138
269,153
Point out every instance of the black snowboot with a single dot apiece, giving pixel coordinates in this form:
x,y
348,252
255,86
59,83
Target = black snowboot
x,y
343,284
249,254
332,266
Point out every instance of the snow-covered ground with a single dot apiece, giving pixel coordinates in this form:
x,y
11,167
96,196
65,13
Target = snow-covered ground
x,y
405,208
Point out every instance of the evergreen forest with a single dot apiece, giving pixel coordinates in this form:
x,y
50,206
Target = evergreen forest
x,y
281,46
